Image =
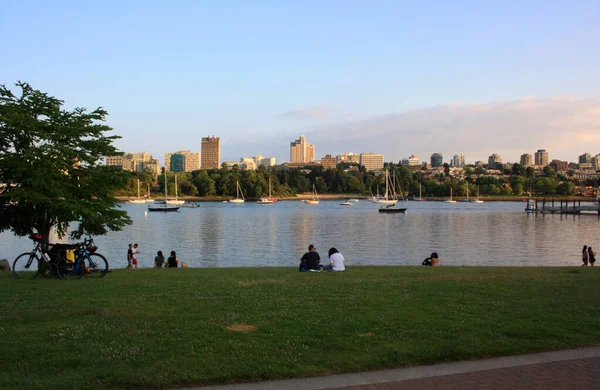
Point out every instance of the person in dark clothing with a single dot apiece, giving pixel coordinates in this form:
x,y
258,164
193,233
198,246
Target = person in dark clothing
x,y
310,260
129,256
159,260
592,256
172,261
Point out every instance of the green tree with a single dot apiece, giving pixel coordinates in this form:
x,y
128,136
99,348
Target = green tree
x,y
50,163
566,188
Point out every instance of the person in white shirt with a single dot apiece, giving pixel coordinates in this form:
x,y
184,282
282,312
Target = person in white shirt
x,y
336,261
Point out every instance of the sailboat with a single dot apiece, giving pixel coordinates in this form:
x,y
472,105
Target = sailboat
x,y
315,198
149,199
420,198
268,200
238,193
467,198
163,206
390,197
176,200
477,200
450,200
138,200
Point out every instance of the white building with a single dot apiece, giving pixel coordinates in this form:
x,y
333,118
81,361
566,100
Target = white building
x,y
458,161
412,161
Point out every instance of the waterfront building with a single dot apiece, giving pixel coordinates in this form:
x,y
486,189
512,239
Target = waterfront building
x,y
412,161
558,165
585,158
266,161
347,157
494,162
437,160
328,162
526,160
301,151
182,161
541,158
211,153
371,161
113,161
458,161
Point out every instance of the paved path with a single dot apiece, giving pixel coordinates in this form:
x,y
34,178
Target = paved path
x,y
569,369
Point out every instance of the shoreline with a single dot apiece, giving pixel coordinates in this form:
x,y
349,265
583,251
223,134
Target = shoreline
x,y
304,196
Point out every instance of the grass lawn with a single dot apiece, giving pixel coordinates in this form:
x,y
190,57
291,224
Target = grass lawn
x,y
165,328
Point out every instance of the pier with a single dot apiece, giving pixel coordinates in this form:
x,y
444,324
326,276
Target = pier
x,y
561,207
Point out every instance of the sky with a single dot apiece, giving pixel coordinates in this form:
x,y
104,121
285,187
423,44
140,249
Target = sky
x,y
392,77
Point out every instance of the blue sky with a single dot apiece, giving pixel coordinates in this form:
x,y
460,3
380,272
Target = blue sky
x,y
258,74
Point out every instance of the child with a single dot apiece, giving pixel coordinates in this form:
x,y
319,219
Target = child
x,y
136,251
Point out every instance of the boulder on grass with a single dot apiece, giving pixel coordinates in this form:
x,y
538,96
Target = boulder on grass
x,y
4,265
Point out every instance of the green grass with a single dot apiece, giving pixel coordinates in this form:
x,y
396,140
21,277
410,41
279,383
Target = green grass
x,y
166,328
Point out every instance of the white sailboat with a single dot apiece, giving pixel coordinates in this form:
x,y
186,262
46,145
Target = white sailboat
x,y
149,199
268,200
138,200
238,193
450,200
176,200
390,197
477,200
420,198
163,206
467,198
315,199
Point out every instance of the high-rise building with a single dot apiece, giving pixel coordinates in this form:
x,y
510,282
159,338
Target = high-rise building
x,y
113,161
526,160
596,161
301,151
584,158
437,160
558,165
328,162
347,157
183,160
458,161
134,162
211,153
412,161
494,162
541,158
371,161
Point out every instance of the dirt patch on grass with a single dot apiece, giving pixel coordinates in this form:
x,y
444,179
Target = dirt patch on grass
x,y
241,328
250,283
370,334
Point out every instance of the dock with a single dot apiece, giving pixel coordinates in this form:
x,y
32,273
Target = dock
x,y
561,207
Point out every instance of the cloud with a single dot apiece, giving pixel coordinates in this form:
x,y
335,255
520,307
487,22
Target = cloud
x,y
315,112
564,125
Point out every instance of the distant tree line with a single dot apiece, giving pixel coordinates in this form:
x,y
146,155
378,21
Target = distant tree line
x,y
287,182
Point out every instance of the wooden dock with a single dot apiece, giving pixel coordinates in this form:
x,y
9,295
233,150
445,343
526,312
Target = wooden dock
x,y
554,206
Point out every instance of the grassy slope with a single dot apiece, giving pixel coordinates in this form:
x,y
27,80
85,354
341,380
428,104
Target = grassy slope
x,y
161,328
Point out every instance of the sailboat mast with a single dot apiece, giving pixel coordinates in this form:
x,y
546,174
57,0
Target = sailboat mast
x,y
175,186
165,184
138,188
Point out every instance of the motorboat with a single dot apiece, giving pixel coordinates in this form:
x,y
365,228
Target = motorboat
x,y
190,205
347,203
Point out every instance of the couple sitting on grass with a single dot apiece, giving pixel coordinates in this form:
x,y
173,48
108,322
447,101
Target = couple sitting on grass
x,y
311,261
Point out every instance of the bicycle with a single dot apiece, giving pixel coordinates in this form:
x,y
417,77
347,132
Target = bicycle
x,y
86,262
29,265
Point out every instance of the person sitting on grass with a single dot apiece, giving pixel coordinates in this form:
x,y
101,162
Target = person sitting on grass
x,y
336,261
172,261
310,260
432,260
159,260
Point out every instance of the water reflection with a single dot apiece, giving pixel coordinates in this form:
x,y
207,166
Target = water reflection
x,y
225,235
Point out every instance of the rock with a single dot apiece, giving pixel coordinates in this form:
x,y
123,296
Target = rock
x,y
4,265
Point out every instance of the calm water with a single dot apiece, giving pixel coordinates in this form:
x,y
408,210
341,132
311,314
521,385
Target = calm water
x,y
227,235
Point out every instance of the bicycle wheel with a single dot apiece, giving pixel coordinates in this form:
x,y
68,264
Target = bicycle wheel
x,y
26,266
67,270
96,266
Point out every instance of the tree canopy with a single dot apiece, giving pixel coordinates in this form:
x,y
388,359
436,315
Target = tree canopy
x,y
50,167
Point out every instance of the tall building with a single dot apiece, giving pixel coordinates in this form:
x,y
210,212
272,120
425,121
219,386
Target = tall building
x,y
371,161
596,161
183,160
211,153
328,162
558,165
584,158
437,160
301,151
541,158
113,161
458,161
412,161
494,162
347,157
526,160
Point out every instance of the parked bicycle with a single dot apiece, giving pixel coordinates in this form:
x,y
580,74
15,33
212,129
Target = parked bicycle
x,y
29,265
84,262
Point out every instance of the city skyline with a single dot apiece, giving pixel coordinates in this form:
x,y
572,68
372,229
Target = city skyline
x,y
396,79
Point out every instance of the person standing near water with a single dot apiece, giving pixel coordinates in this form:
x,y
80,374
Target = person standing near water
x,y
584,256
591,256
129,256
